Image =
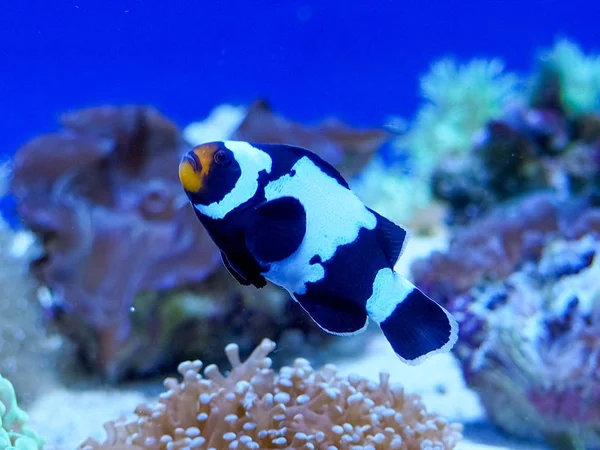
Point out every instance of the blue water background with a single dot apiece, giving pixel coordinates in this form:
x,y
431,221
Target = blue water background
x,y
357,60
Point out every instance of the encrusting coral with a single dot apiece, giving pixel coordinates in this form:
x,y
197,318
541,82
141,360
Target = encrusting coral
x,y
541,352
253,408
14,432
524,283
525,150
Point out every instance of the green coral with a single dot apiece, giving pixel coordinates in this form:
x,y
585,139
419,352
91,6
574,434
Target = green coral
x,y
14,432
392,193
461,99
28,346
578,76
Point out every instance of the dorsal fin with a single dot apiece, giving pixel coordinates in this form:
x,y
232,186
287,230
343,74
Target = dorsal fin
x,y
295,153
327,168
392,238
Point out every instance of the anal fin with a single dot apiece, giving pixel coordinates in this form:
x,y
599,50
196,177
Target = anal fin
x,y
334,316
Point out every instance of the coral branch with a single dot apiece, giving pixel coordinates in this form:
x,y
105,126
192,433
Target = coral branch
x,y
298,408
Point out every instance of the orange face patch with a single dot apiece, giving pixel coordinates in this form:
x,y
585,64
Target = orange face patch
x,y
192,177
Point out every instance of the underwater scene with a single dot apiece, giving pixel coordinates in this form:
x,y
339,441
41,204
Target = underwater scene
x,y
300,225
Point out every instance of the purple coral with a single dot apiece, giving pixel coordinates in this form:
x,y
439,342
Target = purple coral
x,y
525,284
112,217
523,151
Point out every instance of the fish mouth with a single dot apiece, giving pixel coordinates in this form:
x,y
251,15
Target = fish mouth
x,y
192,159
190,172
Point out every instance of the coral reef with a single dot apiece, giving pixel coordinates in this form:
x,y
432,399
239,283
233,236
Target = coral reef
x,y
15,434
459,100
491,248
256,408
346,148
134,279
173,325
524,283
28,349
521,273
549,139
567,80
112,222
525,151
397,194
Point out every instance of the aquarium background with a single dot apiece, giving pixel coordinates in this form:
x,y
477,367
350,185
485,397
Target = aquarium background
x,y
474,124
359,61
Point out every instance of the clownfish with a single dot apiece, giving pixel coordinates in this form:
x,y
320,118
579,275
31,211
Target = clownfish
x,y
283,214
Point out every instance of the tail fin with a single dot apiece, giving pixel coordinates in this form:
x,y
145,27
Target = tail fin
x,y
415,325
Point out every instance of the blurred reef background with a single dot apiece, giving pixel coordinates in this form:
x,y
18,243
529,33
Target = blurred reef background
x,y
476,125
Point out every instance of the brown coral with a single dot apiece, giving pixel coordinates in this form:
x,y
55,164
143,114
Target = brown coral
x,y
298,408
346,148
492,247
104,196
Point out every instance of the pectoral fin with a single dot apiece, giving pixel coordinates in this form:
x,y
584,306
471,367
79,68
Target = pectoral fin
x,y
243,269
276,229
235,273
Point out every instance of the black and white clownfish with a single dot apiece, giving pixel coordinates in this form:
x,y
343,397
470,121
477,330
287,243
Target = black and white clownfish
x,y
283,214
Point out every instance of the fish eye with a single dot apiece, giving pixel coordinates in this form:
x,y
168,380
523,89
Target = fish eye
x,y
222,158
